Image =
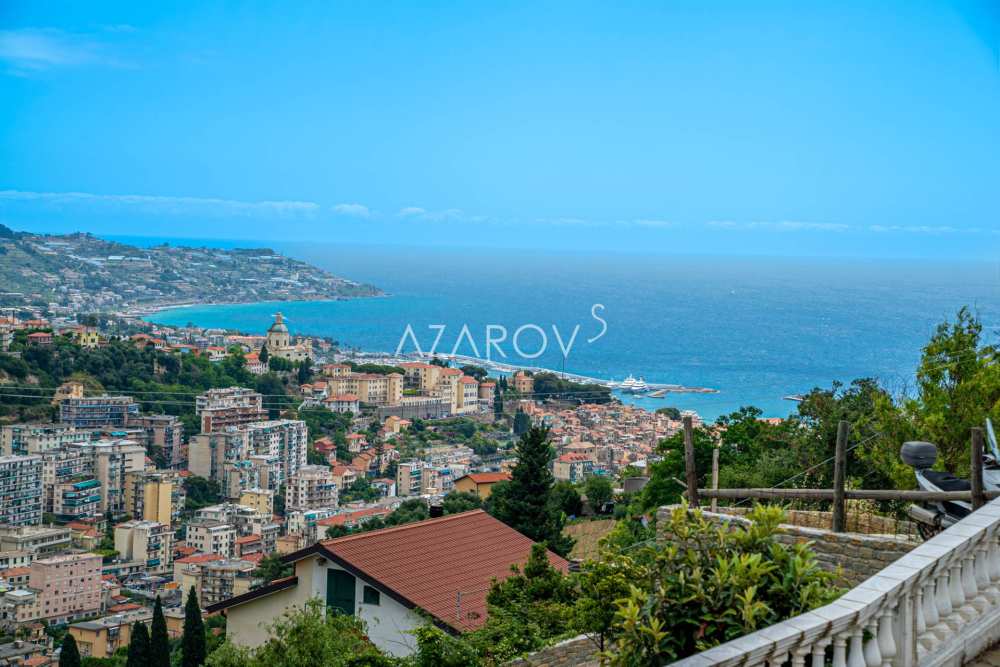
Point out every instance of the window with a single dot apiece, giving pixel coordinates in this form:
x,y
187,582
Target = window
x,y
371,596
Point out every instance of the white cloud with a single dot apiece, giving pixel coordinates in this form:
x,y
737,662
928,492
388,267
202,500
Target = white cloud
x,y
779,226
353,210
417,213
662,224
28,50
164,205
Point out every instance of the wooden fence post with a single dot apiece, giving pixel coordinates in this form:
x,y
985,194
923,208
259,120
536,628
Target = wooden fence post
x,y
976,469
689,463
715,477
839,475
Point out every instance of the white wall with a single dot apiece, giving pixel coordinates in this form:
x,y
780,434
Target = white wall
x,y
389,624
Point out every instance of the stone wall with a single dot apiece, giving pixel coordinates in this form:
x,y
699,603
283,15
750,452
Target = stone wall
x,y
859,556
579,651
858,520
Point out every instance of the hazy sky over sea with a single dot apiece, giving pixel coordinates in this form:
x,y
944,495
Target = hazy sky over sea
x,y
851,129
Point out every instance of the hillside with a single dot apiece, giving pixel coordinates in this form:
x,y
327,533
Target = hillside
x,y
83,273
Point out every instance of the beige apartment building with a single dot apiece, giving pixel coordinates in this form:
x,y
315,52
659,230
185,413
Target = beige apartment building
x,y
101,637
214,579
218,409
311,487
149,542
211,537
261,500
151,495
369,387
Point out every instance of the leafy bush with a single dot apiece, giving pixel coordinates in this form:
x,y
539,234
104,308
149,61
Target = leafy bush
x,y
712,583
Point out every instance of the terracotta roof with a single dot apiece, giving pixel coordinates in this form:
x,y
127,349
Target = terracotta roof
x,y
347,517
428,563
15,572
342,397
487,477
245,539
199,558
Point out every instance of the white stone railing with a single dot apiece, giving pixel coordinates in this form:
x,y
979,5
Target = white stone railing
x,y
937,605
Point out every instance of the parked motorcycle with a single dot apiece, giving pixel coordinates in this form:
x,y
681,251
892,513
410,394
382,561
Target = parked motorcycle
x,y
933,517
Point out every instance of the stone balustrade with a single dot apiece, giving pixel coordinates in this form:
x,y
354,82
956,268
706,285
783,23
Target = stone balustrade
x,y
938,605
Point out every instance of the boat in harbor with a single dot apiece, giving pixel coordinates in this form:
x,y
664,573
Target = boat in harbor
x,y
632,386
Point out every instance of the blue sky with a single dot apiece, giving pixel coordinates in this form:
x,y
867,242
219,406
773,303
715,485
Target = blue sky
x,y
851,128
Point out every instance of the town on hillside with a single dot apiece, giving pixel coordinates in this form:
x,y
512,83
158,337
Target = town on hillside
x,y
206,495
189,461
81,273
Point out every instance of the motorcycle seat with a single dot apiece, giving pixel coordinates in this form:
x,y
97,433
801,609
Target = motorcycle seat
x,y
946,481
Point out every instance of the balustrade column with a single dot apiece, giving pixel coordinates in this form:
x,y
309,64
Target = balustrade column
x,y
856,658
839,651
819,653
873,655
886,638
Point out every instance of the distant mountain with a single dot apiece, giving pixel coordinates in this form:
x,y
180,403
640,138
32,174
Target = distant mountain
x,y
83,273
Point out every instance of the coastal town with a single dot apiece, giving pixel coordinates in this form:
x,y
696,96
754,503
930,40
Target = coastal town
x,y
81,273
144,495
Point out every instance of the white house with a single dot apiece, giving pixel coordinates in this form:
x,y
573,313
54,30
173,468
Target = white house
x,y
442,567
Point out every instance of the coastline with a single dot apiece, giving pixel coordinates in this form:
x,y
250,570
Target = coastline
x,y
655,390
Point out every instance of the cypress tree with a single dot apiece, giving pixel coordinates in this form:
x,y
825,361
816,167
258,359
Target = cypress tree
x,y
159,642
522,423
69,656
138,646
193,651
525,502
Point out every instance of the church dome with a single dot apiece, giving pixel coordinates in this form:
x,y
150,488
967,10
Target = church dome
x,y
279,325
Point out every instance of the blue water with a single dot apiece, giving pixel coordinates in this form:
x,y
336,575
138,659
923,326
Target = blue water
x,y
756,329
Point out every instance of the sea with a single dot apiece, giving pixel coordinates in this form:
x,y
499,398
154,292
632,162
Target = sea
x,y
756,329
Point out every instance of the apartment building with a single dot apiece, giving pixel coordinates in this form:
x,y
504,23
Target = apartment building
x,y
218,409
220,580
61,468
311,487
77,500
148,542
97,411
38,540
416,478
24,439
21,490
261,500
102,637
208,452
112,461
211,536
467,395
164,439
60,589
154,495
572,467
285,440
371,388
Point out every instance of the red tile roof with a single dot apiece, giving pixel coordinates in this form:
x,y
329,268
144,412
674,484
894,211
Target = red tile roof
x,y
199,558
487,477
430,562
350,517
